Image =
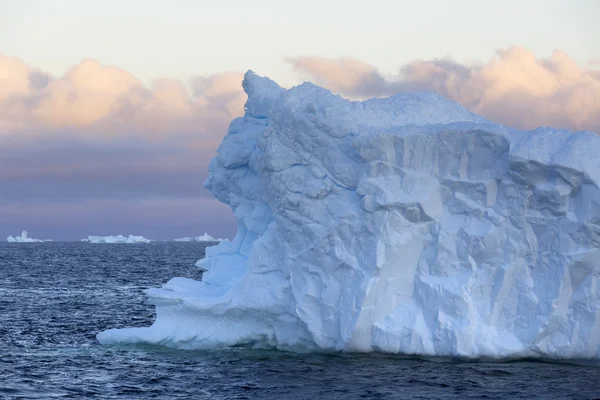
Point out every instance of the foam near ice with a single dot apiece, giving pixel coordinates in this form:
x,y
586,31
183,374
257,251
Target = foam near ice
x,y
24,239
403,225
116,239
204,238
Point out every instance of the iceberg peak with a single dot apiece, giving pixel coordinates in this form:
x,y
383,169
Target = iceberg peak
x,y
405,224
261,92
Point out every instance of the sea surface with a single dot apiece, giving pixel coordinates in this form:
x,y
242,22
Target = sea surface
x,y
55,297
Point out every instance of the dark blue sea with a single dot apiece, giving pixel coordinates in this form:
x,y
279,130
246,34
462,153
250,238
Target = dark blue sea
x,y
55,297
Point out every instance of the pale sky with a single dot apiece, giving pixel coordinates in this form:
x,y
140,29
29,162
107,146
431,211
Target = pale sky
x,y
182,38
110,111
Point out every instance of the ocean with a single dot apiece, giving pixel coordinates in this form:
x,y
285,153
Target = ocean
x,y
55,297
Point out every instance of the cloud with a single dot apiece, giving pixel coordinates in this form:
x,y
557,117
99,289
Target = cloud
x,y
67,168
594,61
223,92
344,75
97,137
514,87
97,151
96,98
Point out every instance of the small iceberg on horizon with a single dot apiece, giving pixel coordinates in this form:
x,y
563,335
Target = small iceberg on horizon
x,y
24,239
204,238
116,239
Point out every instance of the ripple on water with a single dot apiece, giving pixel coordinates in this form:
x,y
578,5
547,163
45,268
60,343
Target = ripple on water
x,y
55,297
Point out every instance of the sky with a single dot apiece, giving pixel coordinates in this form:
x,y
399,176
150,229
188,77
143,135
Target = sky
x,y
111,111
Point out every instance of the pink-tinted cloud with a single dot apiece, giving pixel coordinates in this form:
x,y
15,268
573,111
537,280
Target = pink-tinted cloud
x,y
106,98
97,139
221,91
344,75
594,62
514,87
97,151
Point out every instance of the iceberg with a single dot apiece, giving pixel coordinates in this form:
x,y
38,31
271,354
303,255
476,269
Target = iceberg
x,y
405,225
204,238
116,239
24,239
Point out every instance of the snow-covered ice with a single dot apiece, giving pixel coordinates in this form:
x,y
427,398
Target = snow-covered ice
x,y
403,225
116,239
204,238
23,239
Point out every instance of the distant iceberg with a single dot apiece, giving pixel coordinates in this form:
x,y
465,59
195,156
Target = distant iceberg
x,y
24,239
204,238
116,239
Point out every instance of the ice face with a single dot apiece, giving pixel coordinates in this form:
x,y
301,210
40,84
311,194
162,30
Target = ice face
x,y
403,225
117,239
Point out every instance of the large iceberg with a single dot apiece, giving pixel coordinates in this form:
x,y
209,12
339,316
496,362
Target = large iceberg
x,y
116,239
204,238
404,225
24,239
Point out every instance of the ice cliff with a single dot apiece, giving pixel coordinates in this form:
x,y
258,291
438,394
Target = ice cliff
x,y
24,239
403,225
116,239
